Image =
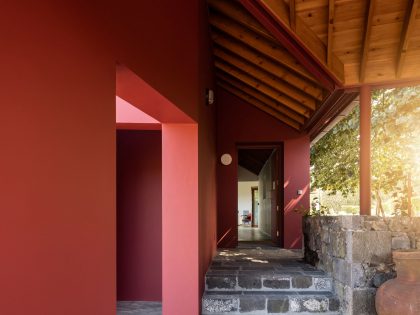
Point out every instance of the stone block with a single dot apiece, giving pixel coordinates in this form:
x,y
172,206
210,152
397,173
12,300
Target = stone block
x,y
401,242
362,275
333,304
376,225
249,282
342,271
251,303
338,244
282,283
278,304
325,235
301,282
371,246
344,294
364,301
220,305
351,222
381,277
312,304
322,284
221,282
399,224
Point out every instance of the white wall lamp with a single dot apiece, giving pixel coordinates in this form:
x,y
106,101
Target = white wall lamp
x,y
226,159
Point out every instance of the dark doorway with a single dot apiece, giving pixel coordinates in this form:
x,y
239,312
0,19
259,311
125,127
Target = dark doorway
x,y
260,194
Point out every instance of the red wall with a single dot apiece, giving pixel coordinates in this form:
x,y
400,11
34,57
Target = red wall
x,y
57,163
239,122
139,215
57,135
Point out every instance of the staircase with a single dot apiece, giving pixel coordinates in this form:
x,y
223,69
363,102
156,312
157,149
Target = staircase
x,y
263,282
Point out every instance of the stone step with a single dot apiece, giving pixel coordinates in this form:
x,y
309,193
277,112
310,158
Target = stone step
x,y
242,280
258,303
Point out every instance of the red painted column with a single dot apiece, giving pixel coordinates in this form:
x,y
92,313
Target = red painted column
x,y
365,169
180,262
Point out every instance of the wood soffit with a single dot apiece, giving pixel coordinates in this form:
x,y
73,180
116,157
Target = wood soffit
x,y
281,56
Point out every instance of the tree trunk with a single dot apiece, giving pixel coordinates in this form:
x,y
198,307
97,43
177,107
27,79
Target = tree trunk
x,y
379,208
409,193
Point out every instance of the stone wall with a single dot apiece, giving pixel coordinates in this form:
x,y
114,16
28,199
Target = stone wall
x,y
357,252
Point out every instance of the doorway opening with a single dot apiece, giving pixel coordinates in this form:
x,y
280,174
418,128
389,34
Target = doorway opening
x,y
260,195
158,145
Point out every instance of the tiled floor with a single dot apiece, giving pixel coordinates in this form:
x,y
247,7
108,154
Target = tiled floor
x,y
249,234
139,308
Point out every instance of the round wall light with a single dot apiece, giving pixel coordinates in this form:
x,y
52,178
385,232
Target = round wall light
x,y
226,159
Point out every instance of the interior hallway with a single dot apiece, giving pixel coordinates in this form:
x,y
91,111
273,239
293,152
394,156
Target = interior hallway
x,y
251,234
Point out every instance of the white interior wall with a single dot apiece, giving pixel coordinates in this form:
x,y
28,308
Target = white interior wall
x,y
245,197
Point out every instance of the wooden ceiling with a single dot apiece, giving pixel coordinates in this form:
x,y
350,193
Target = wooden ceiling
x,y
353,41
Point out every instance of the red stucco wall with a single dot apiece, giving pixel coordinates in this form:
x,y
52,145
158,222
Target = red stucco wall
x,y
239,122
139,215
57,135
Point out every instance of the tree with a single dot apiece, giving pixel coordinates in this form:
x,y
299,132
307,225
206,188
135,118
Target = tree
x,y
395,148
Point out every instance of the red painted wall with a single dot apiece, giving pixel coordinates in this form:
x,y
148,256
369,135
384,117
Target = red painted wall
x,y
57,135
239,122
139,215
180,239
57,163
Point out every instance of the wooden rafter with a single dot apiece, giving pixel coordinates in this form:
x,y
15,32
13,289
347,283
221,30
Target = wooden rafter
x,y
260,44
330,43
251,81
260,96
268,65
312,52
366,39
260,105
407,29
236,12
292,14
268,79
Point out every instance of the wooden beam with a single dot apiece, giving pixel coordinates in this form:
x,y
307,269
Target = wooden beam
x,y
251,81
270,80
268,48
330,43
366,40
260,96
292,14
237,12
365,150
303,43
269,65
260,105
333,105
407,29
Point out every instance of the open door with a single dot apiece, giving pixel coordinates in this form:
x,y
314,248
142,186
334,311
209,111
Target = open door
x,y
262,163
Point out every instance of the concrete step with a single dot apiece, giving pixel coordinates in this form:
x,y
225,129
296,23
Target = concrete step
x,y
258,303
268,280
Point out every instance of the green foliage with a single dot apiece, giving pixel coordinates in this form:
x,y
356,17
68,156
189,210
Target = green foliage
x,y
316,209
335,158
395,149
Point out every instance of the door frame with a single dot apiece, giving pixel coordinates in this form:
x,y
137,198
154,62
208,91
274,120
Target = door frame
x,y
279,218
253,189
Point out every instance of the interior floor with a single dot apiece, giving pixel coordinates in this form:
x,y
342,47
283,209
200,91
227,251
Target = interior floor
x,y
139,308
251,234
